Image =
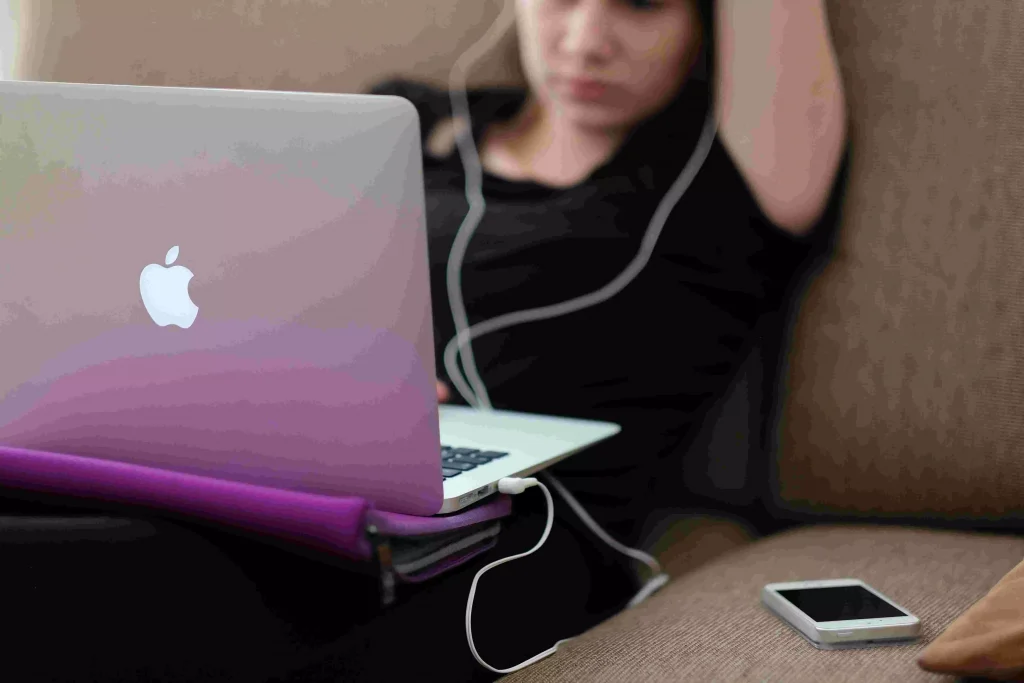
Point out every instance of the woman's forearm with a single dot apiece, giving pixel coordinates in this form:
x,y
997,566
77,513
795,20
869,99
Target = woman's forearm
x,y
781,107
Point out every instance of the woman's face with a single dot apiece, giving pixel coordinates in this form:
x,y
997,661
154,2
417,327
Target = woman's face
x,y
607,63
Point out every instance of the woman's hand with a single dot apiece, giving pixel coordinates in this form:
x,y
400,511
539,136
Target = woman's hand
x,y
442,392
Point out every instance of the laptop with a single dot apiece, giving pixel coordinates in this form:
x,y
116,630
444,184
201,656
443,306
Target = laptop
x,y
235,284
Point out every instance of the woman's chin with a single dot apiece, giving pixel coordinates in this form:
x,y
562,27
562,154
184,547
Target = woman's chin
x,y
594,114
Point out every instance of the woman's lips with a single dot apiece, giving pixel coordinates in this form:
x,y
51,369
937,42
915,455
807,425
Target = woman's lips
x,y
585,88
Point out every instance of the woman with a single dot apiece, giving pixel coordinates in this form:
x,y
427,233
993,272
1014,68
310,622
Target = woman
x,y
574,166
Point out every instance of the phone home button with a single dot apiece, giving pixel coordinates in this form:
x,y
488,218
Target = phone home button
x,y
844,634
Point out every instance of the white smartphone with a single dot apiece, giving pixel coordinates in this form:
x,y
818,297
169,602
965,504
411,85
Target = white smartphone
x,y
838,614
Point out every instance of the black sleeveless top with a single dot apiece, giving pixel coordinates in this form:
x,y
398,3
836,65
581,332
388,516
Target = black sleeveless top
x,y
656,356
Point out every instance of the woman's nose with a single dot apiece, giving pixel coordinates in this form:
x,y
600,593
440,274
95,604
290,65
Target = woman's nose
x,y
588,32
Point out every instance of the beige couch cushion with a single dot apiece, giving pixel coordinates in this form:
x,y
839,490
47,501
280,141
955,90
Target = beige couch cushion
x,y
685,541
710,626
906,385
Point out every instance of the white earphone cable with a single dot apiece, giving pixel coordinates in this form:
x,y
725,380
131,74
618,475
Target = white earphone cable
x,y
472,388
472,391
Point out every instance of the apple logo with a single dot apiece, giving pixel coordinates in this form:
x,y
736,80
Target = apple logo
x,y
165,293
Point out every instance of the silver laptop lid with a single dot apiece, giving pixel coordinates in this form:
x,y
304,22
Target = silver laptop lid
x,y
222,282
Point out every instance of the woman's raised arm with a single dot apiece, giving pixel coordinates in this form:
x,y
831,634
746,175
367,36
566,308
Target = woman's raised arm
x,y
782,110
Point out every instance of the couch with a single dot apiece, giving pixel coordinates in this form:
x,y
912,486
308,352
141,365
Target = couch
x,y
876,431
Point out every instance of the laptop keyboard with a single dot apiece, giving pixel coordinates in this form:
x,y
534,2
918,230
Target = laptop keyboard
x,y
455,461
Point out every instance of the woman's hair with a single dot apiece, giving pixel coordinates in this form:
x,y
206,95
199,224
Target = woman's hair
x,y
503,65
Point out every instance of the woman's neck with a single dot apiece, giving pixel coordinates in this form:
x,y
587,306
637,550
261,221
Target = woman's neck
x,y
541,145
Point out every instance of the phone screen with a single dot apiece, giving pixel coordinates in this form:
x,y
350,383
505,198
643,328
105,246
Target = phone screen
x,y
840,603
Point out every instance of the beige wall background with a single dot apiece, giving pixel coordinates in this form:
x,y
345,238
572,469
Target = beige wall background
x,y
311,45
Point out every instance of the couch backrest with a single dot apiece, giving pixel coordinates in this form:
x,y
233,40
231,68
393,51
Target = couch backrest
x,y
906,385
309,45
904,390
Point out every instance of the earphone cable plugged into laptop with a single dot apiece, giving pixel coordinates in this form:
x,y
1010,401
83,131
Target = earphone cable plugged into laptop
x,y
514,486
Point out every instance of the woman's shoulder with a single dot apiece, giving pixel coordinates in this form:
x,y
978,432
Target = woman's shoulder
x,y
417,92
430,101
434,105
438,99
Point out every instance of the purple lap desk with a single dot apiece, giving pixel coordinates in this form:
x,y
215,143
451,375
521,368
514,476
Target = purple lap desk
x,y
335,524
